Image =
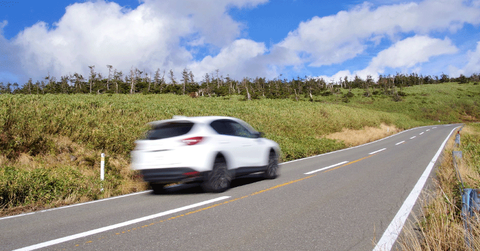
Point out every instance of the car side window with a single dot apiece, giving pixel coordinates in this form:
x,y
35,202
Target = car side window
x,y
231,128
222,127
240,131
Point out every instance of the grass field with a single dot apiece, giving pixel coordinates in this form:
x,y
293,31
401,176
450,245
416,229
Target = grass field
x,y
51,144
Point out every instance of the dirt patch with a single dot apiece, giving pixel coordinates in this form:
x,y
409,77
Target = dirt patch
x,y
365,135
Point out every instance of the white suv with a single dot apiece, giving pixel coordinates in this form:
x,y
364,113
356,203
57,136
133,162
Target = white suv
x,y
211,150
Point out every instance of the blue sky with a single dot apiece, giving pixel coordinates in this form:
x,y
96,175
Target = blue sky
x,y
240,38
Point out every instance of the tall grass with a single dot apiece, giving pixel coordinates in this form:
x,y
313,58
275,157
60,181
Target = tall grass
x,y
112,123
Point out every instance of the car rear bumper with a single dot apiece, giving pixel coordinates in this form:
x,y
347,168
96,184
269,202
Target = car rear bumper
x,y
171,175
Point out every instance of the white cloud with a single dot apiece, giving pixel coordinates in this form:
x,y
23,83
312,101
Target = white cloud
x,y
168,34
209,17
472,66
156,34
404,55
409,53
337,38
238,59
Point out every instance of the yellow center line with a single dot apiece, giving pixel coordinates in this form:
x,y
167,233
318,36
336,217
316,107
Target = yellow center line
x,y
349,163
229,201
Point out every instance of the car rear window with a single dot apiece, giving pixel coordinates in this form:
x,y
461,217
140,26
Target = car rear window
x,y
169,130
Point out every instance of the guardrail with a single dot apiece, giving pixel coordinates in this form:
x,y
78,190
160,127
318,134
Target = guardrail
x,y
470,197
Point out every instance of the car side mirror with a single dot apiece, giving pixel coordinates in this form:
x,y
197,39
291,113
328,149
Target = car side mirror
x,y
260,134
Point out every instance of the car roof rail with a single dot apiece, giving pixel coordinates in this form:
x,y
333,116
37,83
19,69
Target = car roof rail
x,y
179,117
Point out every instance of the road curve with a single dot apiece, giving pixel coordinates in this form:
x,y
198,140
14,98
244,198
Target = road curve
x,y
345,200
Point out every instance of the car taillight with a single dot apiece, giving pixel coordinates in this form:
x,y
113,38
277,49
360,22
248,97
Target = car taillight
x,y
191,173
192,141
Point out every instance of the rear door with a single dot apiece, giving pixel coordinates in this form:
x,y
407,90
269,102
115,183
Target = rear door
x,y
161,147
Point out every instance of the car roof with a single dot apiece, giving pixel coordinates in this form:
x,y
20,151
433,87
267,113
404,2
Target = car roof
x,y
199,119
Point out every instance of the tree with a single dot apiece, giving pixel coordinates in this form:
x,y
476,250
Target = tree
x,y
133,74
149,82
185,78
64,84
109,76
93,75
462,79
192,77
117,77
160,81
77,82
29,85
8,88
173,81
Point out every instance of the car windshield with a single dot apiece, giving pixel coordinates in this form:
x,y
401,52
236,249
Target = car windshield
x,y
169,130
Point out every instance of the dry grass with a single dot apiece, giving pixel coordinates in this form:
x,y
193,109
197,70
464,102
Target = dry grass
x,y
367,134
70,154
440,225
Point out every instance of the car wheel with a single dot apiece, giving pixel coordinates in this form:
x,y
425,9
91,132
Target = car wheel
x,y
272,166
158,188
218,180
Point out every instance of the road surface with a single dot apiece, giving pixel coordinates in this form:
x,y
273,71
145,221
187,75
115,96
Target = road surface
x,y
353,199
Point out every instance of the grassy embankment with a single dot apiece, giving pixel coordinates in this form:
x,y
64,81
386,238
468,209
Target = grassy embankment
x,y
51,144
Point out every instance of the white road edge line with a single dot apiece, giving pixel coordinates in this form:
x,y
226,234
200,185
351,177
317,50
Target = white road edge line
x,y
122,224
325,168
383,149
401,142
394,229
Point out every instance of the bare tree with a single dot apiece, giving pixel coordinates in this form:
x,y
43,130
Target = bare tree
x,y
192,77
92,76
184,80
132,79
244,82
218,81
156,78
30,86
117,76
172,78
109,76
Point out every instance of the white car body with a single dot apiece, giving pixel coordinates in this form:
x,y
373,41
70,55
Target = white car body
x,y
191,156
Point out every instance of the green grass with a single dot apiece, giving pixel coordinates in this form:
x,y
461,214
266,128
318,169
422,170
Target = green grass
x,y
31,125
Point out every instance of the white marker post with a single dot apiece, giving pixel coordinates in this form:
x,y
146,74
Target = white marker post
x,y
102,170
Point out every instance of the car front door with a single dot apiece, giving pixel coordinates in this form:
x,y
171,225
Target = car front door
x,y
240,144
249,150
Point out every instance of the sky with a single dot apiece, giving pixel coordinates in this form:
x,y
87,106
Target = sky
x,y
274,39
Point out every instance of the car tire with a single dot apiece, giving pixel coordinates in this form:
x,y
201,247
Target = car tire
x,y
218,180
272,167
158,188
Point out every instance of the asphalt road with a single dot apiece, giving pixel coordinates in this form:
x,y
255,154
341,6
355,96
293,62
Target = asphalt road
x,y
344,200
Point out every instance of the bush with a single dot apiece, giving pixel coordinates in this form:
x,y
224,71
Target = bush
x,y
42,186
